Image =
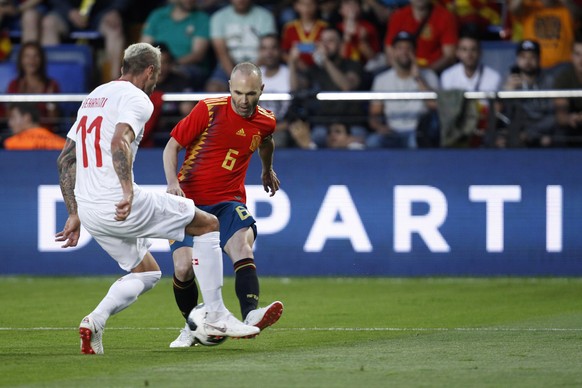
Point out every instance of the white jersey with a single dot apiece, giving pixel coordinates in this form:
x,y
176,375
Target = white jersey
x,y
106,106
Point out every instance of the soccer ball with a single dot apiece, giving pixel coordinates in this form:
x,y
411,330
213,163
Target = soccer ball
x,y
196,323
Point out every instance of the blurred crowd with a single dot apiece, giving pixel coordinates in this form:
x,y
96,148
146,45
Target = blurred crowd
x,y
308,46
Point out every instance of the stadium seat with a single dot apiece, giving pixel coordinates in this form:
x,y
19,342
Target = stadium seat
x,y
7,73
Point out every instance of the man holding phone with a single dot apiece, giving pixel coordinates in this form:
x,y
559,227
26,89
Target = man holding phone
x,y
532,118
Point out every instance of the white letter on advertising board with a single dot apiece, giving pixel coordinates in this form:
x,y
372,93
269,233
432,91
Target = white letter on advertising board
x,y
338,205
426,225
280,206
494,198
554,218
48,197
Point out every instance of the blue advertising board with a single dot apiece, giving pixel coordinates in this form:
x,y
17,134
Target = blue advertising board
x,y
345,213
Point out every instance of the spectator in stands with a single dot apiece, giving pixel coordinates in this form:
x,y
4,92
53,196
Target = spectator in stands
x,y
104,16
23,15
166,114
331,73
360,40
303,32
186,33
481,17
276,80
338,137
27,133
569,110
235,31
33,79
435,31
469,74
394,122
532,120
549,22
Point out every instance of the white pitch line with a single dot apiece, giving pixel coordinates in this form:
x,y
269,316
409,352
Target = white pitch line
x,y
460,329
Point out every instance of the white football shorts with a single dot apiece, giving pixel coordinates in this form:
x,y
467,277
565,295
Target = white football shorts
x,y
155,215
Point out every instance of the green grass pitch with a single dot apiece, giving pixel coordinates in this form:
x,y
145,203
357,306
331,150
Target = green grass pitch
x,y
346,332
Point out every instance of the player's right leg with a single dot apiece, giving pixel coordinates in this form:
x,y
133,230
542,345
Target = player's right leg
x,y
209,272
121,295
133,256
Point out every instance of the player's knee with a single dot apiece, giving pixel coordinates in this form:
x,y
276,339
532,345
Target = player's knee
x,y
203,223
183,265
214,225
149,279
211,224
241,251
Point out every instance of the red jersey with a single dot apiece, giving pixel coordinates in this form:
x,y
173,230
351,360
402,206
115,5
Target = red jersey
x,y
293,32
440,30
219,144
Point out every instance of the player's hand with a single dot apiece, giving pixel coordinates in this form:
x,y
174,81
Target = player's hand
x,y
123,208
176,190
71,232
270,182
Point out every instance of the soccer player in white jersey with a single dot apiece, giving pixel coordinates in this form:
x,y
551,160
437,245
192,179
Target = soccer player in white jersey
x,y
96,179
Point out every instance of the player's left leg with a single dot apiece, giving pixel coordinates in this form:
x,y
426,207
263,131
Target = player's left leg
x,y
246,283
239,249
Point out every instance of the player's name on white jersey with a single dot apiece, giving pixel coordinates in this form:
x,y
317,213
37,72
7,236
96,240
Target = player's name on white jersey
x,y
94,102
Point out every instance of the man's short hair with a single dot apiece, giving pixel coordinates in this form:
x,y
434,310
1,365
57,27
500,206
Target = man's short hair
x,y
341,125
470,34
140,56
334,29
27,108
404,36
272,35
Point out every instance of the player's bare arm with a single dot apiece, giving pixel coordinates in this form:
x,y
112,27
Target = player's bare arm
x,y
67,166
170,158
268,176
122,163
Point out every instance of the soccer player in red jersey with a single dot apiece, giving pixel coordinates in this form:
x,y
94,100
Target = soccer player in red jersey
x,y
220,136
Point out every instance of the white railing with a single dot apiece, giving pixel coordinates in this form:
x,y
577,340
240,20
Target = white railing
x,y
343,96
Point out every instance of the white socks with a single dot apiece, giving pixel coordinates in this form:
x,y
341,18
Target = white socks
x,y
208,270
123,293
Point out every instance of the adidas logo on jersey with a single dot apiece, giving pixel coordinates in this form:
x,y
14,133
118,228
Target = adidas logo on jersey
x,y
241,132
